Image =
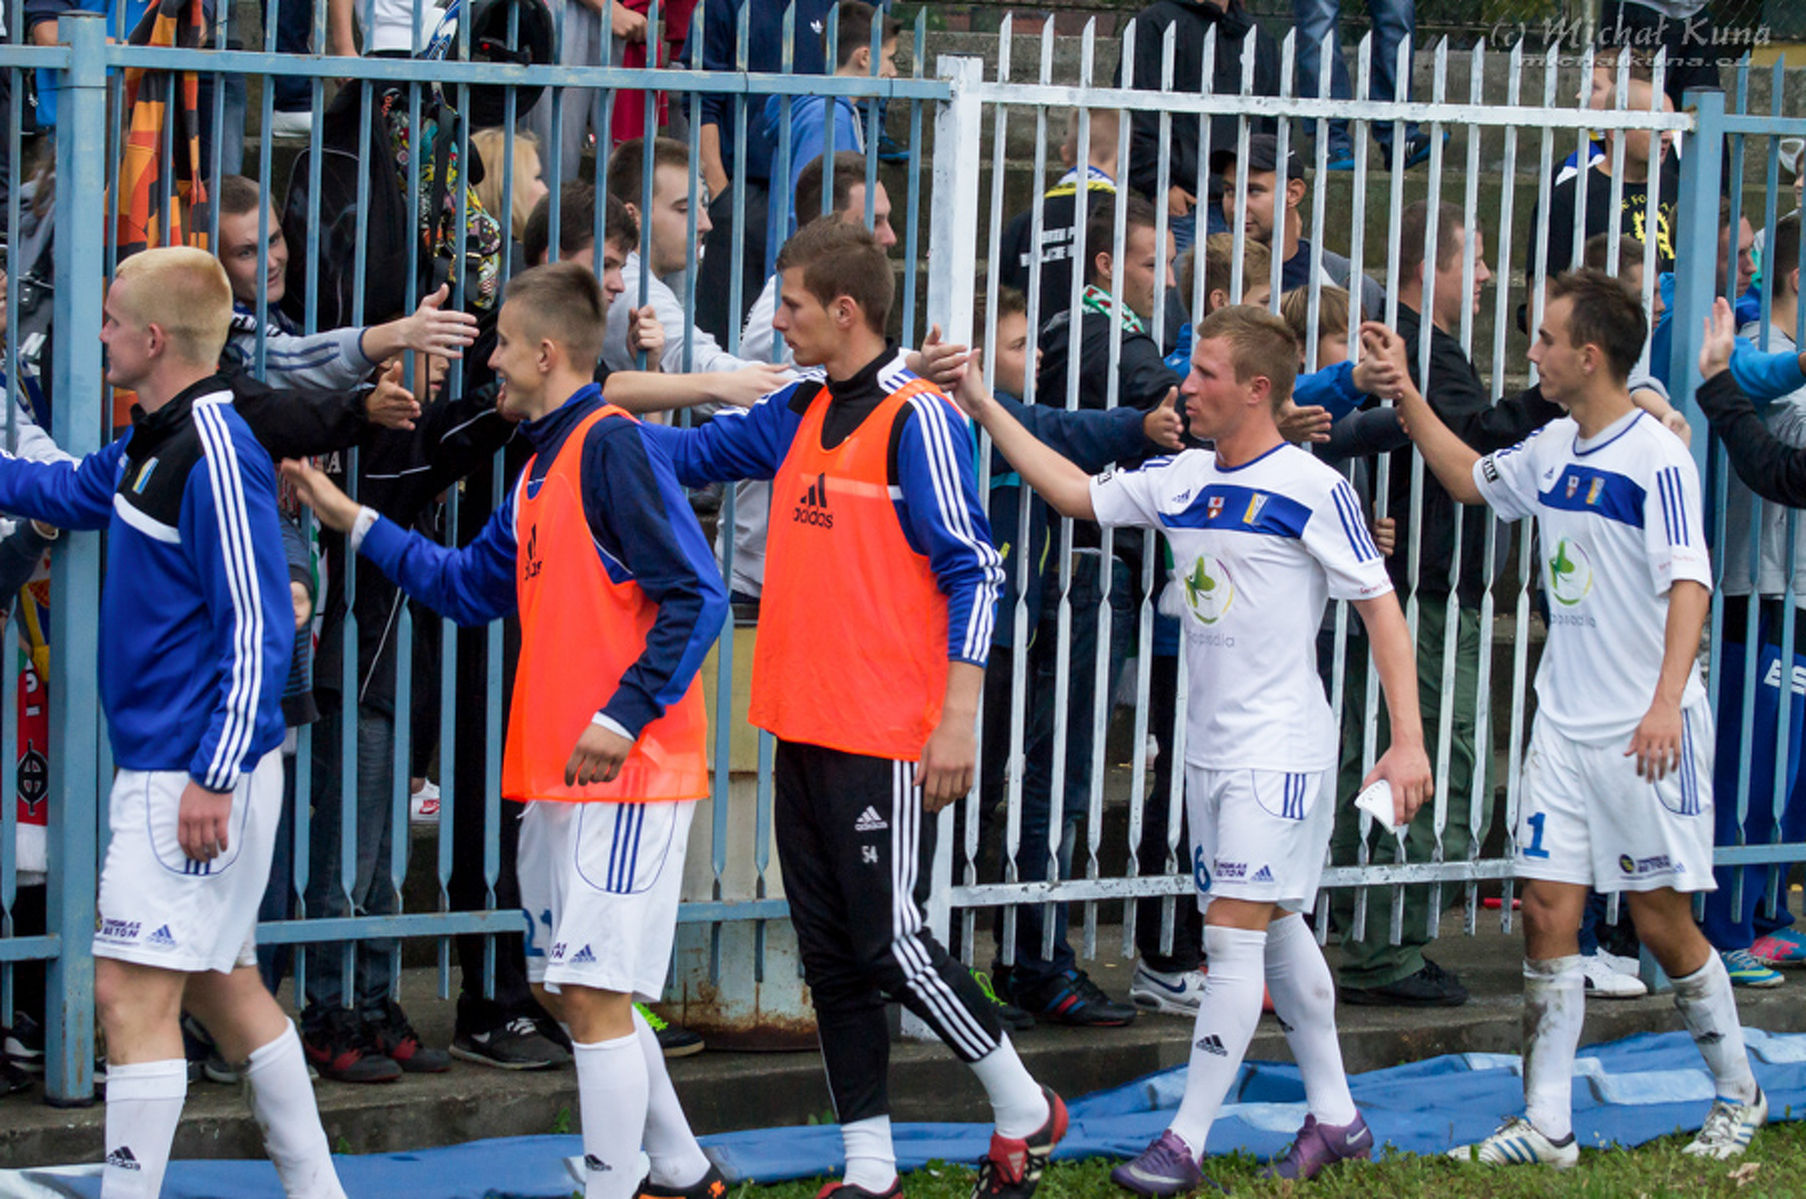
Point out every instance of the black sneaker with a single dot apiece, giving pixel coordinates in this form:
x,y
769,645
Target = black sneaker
x,y
1417,149
1072,998
846,1190
1431,986
673,1040
396,1038
339,1047
711,1186
23,1044
204,1058
1007,1013
12,1078
516,1045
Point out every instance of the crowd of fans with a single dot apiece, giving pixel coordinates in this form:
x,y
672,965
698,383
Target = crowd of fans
x,y
410,391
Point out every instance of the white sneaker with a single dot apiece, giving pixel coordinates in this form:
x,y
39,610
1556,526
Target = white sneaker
x,y
1620,963
423,808
1729,1127
1177,994
1604,980
292,126
1517,1142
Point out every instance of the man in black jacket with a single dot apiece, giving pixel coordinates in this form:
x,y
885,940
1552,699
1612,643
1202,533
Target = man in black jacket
x,y
1192,20
1374,971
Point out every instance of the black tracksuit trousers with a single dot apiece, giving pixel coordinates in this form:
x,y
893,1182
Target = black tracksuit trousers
x,y
855,848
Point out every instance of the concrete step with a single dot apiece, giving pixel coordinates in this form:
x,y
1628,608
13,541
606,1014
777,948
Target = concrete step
x,y
725,1091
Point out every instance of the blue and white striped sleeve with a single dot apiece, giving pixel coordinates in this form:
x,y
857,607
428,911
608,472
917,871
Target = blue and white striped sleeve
x,y
945,519
230,531
1336,535
1673,526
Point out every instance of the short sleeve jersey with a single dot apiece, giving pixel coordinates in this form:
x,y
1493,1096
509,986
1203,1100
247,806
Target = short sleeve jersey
x,y
1618,521
1258,550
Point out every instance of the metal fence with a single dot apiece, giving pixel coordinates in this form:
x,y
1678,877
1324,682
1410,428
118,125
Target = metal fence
x,y
979,138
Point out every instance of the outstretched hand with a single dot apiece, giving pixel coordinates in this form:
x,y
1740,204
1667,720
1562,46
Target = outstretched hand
x,y
1165,426
434,329
941,363
1717,340
749,384
389,404
335,509
1299,425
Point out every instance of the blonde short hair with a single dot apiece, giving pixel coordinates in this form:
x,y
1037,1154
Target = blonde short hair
x,y
491,145
184,292
1260,344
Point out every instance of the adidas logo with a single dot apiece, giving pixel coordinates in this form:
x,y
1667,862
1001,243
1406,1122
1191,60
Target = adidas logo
x,y
812,508
162,938
1212,1044
122,1159
1263,875
595,1165
869,821
584,958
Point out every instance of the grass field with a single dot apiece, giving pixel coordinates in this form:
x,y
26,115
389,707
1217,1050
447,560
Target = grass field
x,y
1775,1166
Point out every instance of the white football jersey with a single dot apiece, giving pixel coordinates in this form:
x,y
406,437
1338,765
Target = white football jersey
x,y
1618,521
1258,549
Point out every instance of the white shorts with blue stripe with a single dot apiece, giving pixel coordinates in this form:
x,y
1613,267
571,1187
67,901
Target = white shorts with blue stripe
x,y
1587,817
601,883
1258,835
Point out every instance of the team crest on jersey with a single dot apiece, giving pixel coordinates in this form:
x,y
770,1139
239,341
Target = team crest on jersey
x,y
1213,507
1208,588
1593,490
144,474
1573,485
1570,569
1256,502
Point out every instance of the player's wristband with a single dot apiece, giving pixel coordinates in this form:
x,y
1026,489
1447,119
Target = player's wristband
x,y
366,520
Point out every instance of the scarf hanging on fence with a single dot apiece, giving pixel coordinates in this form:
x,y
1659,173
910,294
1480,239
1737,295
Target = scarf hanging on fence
x,y
154,210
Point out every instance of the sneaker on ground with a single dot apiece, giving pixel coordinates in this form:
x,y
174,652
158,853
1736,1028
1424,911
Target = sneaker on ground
x,y
1746,971
516,1045
23,1044
1417,149
12,1078
673,1039
292,126
1783,947
1176,993
1432,986
846,1190
1341,156
395,1037
1622,963
1011,1169
1729,1127
423,806
1165,1167
1518,1143
1607,983
1072,998
340,1048
1319,1146
891,150
1007,1013
710,1186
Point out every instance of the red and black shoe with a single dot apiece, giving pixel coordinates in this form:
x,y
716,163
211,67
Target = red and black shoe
x,y
846,1190
396,1038
1012,1169
710,1186
339,1048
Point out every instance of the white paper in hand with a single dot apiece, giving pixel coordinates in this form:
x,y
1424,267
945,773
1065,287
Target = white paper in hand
x,y
1376,801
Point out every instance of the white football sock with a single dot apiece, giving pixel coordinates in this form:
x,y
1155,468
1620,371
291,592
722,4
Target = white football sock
x,y
1710,1013
282,1099
871,1158
677,1160
1227,1014
144,1105
611,1097
1304,999
1554,1007
1018,1104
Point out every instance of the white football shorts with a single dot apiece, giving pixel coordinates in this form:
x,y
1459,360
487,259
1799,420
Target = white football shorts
x,y
1259,835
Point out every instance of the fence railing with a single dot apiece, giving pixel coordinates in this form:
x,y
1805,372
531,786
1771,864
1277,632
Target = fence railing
x,y
979,136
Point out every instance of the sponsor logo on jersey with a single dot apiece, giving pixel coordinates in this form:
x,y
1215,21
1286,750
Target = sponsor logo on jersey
x,y
119,930
1213,1044
1570,568
1593,490
558,948
812,508
1489,469
869,821
123,1158
1184,497
1256,502
1263,875
138,486
585,957
162,938
595,1165
1634,866
1773,677
1208,588
533,562
1231,870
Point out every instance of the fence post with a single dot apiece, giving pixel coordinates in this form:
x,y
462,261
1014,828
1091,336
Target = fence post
x,y
1695,256
81,149
952,282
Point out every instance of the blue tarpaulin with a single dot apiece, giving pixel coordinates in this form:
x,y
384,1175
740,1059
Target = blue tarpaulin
x,y
1627,1092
